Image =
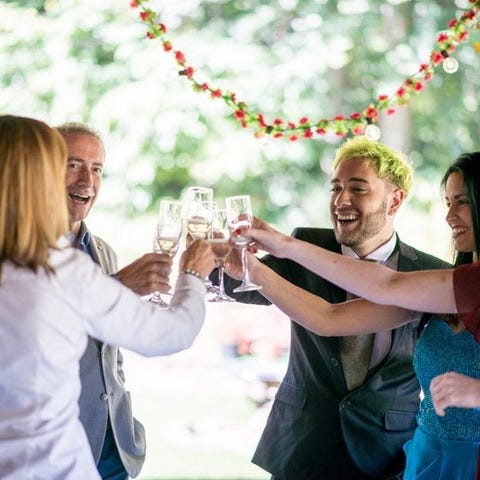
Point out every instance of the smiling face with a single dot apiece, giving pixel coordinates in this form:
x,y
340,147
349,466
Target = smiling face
x,y
459,215
362,206
84,175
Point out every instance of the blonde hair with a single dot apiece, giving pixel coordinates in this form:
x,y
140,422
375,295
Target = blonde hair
x,y
33,206
389,164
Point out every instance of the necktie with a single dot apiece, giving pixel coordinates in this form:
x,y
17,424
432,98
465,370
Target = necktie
x,y
355,353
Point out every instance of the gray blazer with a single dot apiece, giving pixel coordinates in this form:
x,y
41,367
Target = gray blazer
x,y
103,391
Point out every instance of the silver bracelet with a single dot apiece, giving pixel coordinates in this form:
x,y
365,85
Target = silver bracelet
x,y
192,271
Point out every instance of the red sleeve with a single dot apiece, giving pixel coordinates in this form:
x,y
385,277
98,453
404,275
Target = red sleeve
x,y
466,285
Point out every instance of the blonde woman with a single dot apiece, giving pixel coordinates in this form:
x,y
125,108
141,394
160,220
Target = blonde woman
x,y
52,297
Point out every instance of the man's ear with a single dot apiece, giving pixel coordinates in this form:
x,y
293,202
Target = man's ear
x,y
397,199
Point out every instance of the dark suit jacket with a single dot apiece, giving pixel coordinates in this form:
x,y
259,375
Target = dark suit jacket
x,y
103,392
313,409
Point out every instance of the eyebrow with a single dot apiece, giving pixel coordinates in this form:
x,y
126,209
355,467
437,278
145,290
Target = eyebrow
x,y
352,179
79,159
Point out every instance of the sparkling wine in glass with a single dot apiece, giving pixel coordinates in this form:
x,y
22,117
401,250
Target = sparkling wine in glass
x,y
221,247
167,236
240,217
199,211
200,208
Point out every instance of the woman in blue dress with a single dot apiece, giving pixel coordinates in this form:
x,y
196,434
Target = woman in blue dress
x,y
444,447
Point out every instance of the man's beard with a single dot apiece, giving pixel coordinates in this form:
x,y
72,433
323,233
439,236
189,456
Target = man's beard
x,y
372,223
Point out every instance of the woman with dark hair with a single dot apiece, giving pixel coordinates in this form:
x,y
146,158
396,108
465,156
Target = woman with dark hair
x,y
444,447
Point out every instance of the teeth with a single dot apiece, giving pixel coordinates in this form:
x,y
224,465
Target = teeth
x,y
458,230
347,217
82,197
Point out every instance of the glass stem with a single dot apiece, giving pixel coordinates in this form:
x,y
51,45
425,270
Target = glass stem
x,y
246,274
221,286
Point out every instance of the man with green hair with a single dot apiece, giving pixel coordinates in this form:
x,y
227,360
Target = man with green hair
x,y
347,405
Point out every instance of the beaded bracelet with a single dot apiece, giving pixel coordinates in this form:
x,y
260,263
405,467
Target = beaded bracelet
x,y
192,271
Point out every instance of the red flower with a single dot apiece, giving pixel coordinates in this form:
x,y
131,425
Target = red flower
x,y
443,37
463,36
452,23
360,130
291,125
424,67
261,120
150,35
293,138
179,57
163,28
418,87
371,112
278,135
308,133
216,93
428,76
244,124
278,121
390,111
189,72
401,92
437,57
303,120
338,118
321,131
144,16
134,4
382,98
355,116
340,133
167,46
239,114
204,86
470,15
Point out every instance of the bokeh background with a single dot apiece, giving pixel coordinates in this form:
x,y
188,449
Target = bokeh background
x,y
84,60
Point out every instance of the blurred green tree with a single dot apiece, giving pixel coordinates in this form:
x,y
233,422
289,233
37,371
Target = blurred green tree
x,y
90,61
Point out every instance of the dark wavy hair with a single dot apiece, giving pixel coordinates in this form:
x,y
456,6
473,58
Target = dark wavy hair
x,y
468,166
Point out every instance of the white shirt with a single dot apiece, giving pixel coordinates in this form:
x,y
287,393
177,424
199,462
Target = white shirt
x,y
44,323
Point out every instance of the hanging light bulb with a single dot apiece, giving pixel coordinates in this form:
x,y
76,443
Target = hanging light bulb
x,y
373,132
450,65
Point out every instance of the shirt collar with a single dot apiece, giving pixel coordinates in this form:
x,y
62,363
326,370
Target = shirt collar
x,y
381,254
82,240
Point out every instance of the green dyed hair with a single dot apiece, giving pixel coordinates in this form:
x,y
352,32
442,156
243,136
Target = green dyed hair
x,y
389,164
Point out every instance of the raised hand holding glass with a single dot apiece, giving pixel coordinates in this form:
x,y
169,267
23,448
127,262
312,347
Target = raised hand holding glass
x,y
167,235
240,217
221,247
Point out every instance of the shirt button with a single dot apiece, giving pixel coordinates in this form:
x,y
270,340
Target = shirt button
x,y
104,396
334,361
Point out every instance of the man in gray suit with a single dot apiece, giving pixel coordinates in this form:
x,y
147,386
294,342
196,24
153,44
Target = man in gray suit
x,y
116,438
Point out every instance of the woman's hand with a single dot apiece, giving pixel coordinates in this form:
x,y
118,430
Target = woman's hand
x,y
452,389
198,256
267,238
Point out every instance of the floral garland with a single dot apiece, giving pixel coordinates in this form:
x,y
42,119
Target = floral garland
x,y
357,123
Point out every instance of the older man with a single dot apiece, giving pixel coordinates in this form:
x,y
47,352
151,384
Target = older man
x,y
116,438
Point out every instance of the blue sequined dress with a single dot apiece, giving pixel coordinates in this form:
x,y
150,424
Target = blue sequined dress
x,y
444,448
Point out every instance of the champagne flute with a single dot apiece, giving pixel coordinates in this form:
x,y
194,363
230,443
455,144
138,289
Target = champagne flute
x,y
199,211
200,208
240,217
221,247
167,236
